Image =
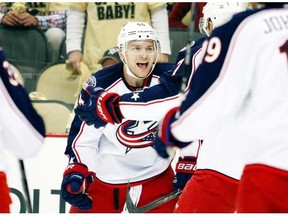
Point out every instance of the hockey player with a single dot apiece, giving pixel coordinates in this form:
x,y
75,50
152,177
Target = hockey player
x,y
238,103
104,160
22,129
155,101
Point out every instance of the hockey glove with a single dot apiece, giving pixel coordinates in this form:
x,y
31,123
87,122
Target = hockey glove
x,y
76,180
185,168
165,139
101,109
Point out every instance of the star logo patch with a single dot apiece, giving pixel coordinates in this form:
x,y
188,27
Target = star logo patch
x,y
135,96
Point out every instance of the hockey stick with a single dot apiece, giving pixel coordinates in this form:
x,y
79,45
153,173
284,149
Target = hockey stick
x,y
185,73
25,186
132,208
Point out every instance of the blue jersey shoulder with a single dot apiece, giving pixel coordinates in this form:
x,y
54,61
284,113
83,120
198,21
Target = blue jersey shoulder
x,y
107,76
161,68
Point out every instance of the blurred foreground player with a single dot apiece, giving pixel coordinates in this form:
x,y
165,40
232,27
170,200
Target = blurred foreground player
x,y
22,129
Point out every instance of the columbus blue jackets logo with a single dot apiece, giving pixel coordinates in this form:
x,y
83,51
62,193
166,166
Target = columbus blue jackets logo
x,y
137,134
90,82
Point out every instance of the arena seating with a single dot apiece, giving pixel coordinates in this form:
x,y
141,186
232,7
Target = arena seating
x,y
26,49
59,82
54,113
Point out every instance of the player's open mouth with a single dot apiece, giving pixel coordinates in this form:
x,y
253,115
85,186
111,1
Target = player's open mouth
x,y
142,65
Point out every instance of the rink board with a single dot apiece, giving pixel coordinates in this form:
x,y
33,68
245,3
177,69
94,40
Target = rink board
x,y
44,175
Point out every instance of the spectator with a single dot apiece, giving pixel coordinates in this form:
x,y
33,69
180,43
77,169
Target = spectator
x,y
180,10
49,17
110,57
109,158
103,20
22,129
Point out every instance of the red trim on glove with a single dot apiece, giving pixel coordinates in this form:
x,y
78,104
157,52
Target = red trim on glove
x,y
166,123
101,107
76,167
116,111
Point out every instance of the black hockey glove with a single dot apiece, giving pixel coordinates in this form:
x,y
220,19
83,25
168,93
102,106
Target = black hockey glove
x,y
76,180
101,109
185,168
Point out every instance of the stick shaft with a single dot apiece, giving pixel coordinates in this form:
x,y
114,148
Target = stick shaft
x,y
132,208
25,186
187,61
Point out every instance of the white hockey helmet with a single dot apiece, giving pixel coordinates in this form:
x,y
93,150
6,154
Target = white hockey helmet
x,y
220,12
132,31
136,31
